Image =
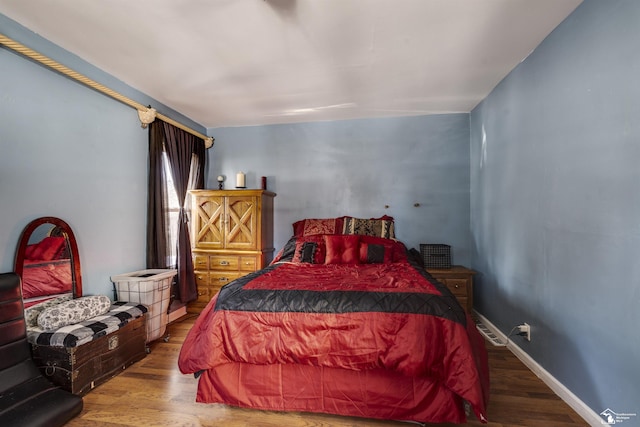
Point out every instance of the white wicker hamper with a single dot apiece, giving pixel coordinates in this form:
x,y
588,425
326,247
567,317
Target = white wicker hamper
x,y
151,288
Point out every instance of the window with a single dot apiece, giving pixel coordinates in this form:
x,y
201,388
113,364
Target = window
x,y
172,211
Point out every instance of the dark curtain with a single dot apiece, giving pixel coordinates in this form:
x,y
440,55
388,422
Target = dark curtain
x,y
181,147
157,202
186,155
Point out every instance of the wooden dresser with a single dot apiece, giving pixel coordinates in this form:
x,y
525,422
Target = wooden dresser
x,y
231,236
459,280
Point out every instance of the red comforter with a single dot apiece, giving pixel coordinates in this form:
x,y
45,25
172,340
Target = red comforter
x,y
389,316
43,278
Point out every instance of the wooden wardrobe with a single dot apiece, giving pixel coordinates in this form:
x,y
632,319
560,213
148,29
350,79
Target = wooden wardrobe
x,y
231,236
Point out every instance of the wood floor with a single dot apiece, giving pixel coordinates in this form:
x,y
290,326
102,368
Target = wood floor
x,y
153,393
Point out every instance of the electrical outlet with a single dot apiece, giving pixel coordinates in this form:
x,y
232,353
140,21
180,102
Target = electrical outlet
x,y
525,331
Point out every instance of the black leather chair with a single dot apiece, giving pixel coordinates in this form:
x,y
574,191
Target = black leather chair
x,y
26,397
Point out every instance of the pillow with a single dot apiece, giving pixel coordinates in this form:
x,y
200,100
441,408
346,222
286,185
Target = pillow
x,y
48,249
311,249
31,314
30,252
307,227
380,227
342,249
397,251
371,253
74,311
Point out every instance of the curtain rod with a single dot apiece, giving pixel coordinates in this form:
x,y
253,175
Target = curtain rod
x,y
30,53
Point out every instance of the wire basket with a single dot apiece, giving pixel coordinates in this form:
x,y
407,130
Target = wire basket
x,y
436,255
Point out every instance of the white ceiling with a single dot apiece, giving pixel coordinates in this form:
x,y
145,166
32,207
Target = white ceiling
x,y
251,62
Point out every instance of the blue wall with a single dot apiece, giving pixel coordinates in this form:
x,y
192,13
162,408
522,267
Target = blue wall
x,y
356,167
555,204
71,152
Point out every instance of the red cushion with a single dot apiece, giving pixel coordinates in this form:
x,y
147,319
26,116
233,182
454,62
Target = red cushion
x,y
398,251
371,253
342,249
49,248
30,252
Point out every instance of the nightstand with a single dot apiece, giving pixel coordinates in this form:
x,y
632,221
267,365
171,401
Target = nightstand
x,y
459,280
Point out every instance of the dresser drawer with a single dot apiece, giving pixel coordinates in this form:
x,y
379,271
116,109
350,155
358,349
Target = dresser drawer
x,y
221,278
248,263
205,293
201,262
459,280
458,287
202,278
224,262
464,302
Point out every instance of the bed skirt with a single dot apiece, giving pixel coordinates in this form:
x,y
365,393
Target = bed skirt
x,y
302,388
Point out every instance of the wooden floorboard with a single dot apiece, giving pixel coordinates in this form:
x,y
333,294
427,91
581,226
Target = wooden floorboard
x,y
153,393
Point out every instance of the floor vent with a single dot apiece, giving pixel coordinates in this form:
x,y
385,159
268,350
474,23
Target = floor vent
x,y
490,336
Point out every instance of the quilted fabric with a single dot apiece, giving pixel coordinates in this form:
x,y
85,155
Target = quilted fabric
x,y
73,311
119,314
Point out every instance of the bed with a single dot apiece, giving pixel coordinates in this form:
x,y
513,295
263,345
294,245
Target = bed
x,y
343,321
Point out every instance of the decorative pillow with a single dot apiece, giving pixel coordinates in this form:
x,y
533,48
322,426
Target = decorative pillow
x,y
307,227
310,251
371,253
342,249
48,249
380,227
395,249
31,314
74,311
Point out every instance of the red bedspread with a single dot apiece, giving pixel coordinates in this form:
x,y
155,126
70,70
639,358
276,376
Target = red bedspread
x,y
361,317
42,278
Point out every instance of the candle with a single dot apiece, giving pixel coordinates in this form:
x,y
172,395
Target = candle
x,y
240,180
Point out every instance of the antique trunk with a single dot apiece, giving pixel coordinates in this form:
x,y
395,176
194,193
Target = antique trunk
x,y
80,369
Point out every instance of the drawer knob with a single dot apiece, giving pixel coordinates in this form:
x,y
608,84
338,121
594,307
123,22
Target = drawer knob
x,y
224,262
222,279
457,286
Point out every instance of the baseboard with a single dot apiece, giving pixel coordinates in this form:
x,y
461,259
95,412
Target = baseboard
x,y
581,408
177,313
